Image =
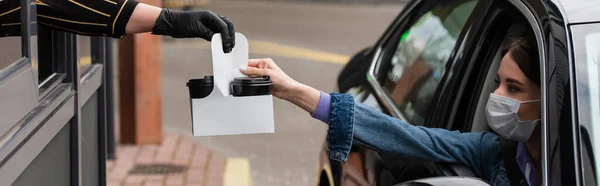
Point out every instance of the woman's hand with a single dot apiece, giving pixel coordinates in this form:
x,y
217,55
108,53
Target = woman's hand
x,y
284,87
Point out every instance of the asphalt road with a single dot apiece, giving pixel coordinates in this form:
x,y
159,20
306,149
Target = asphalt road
x,y
307,41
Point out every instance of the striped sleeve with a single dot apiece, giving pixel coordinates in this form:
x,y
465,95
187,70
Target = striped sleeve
x,y
86,17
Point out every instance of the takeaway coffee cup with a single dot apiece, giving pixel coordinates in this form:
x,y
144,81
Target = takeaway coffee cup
x,y
251,86
200,88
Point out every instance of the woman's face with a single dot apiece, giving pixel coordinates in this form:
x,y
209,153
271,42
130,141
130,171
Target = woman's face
x,y
513,83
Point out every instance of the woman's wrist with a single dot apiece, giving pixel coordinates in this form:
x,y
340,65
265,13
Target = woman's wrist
x,y
305,97
142,19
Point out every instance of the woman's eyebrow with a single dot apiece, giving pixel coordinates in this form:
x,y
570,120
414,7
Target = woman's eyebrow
x,y
511,80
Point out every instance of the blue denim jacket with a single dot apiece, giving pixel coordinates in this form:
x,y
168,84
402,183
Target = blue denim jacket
x,y
351,122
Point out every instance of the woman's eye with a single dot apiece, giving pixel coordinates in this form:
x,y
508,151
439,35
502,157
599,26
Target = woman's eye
x,y
512,88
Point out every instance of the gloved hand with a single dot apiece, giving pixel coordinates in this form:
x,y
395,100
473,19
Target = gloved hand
x,y
195,23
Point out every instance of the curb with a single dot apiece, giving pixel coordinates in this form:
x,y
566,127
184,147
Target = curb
x,y
237,172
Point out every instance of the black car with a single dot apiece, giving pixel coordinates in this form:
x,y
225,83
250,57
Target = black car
x,y
452,91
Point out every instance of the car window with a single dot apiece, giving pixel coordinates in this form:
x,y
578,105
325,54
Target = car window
x,y
587,63
420,57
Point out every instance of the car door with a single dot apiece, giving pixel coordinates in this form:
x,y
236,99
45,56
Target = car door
x,y
504,20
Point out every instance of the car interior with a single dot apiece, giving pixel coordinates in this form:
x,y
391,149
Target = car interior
x,y
490,59
480,123
419,57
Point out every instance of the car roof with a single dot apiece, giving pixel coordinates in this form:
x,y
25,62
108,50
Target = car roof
x,y
579,11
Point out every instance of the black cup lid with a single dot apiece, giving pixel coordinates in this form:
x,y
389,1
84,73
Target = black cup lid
x,y
207,80
252,80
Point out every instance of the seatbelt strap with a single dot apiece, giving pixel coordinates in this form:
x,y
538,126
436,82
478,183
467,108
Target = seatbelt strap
x,y
509,152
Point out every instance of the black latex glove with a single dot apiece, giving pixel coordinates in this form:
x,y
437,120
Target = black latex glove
x,y
195,23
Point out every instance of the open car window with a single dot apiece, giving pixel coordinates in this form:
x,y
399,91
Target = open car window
x,y
420,56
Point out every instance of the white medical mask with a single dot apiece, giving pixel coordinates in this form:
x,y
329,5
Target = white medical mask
x,y
503,118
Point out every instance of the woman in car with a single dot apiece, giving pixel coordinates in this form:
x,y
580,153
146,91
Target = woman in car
x,y
513,111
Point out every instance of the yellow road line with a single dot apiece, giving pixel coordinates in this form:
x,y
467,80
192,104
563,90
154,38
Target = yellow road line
x,y
85,61
237,172
275,49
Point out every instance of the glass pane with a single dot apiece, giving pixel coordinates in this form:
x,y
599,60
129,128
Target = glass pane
x,y
46,52
52,165
89,131
10,32
421,55
10,50
364,96
587,60
84,49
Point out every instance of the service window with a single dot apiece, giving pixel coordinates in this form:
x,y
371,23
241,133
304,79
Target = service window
x,y
419,56
46,48
54,56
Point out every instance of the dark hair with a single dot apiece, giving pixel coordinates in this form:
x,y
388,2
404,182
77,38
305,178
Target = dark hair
x,y
525,54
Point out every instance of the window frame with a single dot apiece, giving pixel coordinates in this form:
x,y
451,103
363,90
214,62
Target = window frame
x,y
58,62
546,40
372,73
533,23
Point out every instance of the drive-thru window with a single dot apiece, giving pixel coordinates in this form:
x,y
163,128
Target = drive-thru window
x,y
52,103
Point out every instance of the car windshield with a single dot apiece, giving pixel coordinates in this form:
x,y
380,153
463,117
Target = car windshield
x,y
587,67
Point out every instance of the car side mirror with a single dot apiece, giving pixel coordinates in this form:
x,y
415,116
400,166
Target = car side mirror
x,y
354,72
445,181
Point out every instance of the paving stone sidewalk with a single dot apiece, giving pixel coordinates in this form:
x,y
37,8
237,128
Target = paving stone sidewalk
x,y
177,161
